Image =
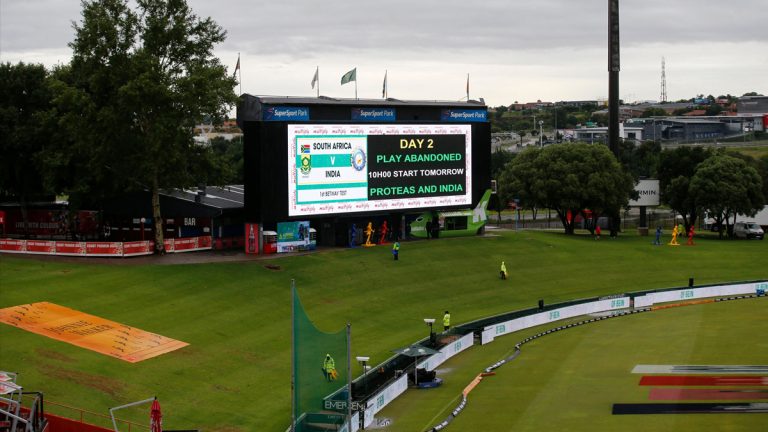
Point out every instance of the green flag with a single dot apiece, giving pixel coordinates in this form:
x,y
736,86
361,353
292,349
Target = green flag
x,y
349,76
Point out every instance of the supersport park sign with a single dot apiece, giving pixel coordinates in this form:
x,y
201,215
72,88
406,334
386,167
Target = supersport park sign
x,y
359,168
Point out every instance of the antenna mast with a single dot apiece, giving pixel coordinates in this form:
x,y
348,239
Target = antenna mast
x,y
663,97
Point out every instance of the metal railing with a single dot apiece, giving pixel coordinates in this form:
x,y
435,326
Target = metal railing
x,y
81,415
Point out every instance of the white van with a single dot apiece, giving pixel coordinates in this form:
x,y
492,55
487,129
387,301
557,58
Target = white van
x,y
748,230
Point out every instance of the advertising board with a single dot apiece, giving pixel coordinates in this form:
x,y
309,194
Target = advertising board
x,y
286,113
137,248
47,247
293,236
463,115
373,114
363,168
648,191
252,239
104,248
70,248
13,246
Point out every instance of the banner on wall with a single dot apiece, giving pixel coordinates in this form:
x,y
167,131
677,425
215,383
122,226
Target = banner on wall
x,y
104,249
13,246
70,248
41,247
293,236
137,248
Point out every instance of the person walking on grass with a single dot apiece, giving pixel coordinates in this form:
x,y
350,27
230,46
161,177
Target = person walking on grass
x,y
503,271
396,250
446,321
597,232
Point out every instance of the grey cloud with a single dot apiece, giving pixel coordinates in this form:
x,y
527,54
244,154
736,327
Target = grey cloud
x,y
293,27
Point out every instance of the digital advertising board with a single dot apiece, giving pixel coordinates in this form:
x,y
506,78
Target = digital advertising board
x,y
293,236
352,168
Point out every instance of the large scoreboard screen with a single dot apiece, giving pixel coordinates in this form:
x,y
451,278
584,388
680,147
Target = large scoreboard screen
x,y
362,168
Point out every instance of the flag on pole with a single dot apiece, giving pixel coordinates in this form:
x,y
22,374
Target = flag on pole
x,y
237,66
467,87
314,79
349,76
384,87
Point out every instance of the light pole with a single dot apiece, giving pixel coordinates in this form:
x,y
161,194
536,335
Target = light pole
x,y
363,361
429,322
541,133
555,124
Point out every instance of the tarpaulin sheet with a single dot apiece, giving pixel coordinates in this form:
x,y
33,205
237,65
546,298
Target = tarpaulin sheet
x,y
88,331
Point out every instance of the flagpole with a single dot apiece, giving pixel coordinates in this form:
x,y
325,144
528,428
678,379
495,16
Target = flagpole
x,y
318,81
240,71
349,374
467,87
355,84
293,355
386,90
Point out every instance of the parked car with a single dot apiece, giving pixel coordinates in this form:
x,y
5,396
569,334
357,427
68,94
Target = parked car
x,y
748,230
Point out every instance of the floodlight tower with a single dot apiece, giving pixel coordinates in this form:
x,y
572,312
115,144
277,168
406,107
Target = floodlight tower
x,y
663,97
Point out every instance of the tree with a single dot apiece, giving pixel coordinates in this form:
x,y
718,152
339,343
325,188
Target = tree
x,y
228,156
760,165
651,112
641,160
762,169
24,101
140,81
725,186
600,119
499,160
568,178
713,110
676,168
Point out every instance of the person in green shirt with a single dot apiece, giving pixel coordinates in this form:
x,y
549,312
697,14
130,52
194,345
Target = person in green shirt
x,y
446,321
503,271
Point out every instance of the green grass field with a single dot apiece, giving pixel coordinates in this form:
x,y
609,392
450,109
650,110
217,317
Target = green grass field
x,y
235,374
569,380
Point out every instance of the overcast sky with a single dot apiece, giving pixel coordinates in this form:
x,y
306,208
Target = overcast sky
x,y
513,50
